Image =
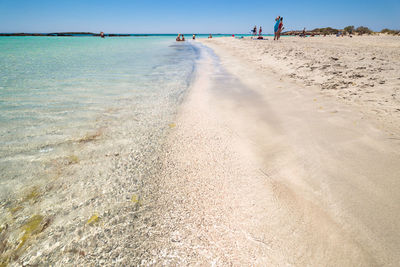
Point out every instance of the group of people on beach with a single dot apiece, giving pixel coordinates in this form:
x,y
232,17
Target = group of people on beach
x,y
254,32
277,31
278,27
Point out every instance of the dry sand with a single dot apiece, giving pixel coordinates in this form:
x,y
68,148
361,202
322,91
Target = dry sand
x,y
363,71
264,170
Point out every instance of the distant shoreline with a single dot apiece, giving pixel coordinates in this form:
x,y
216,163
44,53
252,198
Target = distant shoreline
x,y
91,34
71,34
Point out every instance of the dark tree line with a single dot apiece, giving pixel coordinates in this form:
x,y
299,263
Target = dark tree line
x,y
353,30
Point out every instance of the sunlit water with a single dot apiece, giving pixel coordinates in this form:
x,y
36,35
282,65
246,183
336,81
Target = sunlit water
x,y
56,93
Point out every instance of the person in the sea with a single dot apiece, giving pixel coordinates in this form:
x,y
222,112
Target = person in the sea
x,y
260,31
194,36
102,34
183,38
178,39
210,36
276,27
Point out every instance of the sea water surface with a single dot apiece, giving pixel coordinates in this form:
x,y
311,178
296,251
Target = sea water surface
x,y
52,90
68,103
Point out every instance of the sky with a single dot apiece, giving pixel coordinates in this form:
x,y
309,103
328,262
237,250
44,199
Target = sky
x,y
186,16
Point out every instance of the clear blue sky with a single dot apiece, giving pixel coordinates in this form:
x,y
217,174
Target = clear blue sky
x,y
198,16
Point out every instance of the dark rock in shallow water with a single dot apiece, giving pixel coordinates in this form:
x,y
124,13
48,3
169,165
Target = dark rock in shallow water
x,y
62,34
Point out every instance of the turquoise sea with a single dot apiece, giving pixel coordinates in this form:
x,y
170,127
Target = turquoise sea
x,y
82,123
57,93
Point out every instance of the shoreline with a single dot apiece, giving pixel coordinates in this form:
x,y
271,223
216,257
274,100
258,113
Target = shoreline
x,y
255,175
256,168
262,170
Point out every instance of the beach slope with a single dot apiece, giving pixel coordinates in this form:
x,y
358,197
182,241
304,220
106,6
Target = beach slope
x,y
262,169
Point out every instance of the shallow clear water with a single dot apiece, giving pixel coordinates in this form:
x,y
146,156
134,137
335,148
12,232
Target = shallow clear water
x,y
55,92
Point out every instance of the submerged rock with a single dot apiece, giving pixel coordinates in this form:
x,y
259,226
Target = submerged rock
x,y
32,227
32,195
73,159
94,219
135,199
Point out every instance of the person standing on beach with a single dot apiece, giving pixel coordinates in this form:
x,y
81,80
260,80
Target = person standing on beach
x,y
260,32
280,28
276,27
255,30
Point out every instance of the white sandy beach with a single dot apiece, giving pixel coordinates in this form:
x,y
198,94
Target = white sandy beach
x,y
264,169
363,71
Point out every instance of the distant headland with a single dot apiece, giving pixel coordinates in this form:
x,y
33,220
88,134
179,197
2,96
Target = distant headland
x,y
71,34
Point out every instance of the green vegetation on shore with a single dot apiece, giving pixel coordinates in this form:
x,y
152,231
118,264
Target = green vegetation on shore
x,y
325,31
393,32
349,29
361,30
